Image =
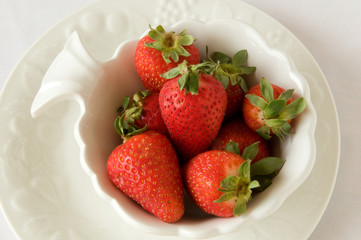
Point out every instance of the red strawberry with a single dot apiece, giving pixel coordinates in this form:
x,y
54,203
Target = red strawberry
x,y
139,114
193,108
269,109
219,182
235,98
230,72
237,131
160,51
146,169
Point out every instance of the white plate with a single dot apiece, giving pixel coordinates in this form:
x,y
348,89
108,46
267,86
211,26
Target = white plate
x,y
43,190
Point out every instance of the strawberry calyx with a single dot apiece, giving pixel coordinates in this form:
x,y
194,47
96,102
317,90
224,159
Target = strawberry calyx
x,y
225,69
130,111
238,188
276,112
169,43
189,75
230,70
251,177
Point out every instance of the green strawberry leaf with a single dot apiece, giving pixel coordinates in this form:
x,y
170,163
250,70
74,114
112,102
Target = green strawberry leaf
x,y
257,101
266,166
173,54
280,129
133,113
243,84
172,73
226,196
248,70
186,40
223,79
244,171
156,34
266,90
274,108
277,131
156,45
182,81
254,184
229,69
125,129
264,170
139,96
182,52
233,79
193,83
286,128
286,95
189,82
229,183
240,207
264,182
220,57
125,103
275,123
117,125
240,58
264,132
130,111
233,147
250,152
293,109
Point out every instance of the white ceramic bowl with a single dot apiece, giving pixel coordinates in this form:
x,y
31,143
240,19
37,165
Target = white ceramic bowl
x,y
100,86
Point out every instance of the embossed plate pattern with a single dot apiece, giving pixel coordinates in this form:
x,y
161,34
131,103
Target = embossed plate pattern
x,y
44,192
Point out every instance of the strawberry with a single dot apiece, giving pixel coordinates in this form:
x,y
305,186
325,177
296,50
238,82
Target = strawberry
x,y
146,169
235,96
231,72
193,107
221,183
269,109
140,113
160,51
237,131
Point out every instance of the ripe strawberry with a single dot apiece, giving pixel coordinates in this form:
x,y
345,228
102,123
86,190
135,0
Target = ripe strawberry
x,y
235,96
237,131
146,169
139,114
160,51
219,182
193,108
230,72
269,109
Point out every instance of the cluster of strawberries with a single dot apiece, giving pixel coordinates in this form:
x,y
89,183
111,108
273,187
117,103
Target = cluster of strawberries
x,y
197,127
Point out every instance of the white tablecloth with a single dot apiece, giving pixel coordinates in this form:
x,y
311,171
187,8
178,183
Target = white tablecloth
x,y
330,29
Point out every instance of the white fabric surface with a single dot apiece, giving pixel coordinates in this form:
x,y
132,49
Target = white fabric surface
x,y
330,29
